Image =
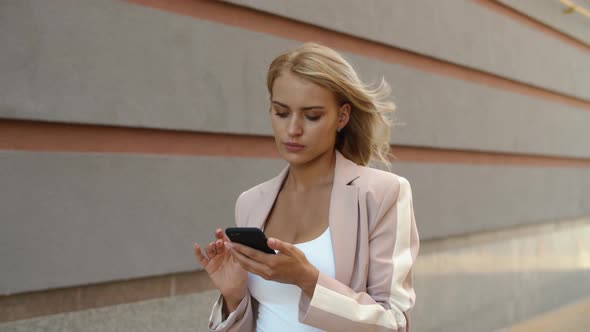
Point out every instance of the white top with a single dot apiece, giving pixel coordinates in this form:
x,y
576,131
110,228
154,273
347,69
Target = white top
x,y
278,308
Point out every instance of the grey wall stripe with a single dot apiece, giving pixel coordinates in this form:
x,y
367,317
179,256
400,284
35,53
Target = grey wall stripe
x,y
459,31
114,63
551,13
71,219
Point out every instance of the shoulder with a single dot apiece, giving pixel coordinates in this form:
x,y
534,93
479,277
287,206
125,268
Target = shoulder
x,y
247,201
380,192
380,183
252,194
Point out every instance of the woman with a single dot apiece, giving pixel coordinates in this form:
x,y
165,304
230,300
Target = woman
x,y
345,234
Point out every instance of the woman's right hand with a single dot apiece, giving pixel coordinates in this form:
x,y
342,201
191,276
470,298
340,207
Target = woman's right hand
x,y
227,275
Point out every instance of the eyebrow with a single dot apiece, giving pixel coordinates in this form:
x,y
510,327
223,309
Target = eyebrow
x,y
306,108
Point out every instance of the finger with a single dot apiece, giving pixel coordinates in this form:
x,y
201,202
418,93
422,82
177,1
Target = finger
x,y
219,234
210,250
251,253
219,247
251,265
283,247
202,259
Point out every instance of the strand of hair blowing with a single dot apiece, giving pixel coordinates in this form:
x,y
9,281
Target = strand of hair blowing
x,y
366,136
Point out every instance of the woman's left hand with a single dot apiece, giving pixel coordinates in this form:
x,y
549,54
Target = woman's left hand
x,y
289,265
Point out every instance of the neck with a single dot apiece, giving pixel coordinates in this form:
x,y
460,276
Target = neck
x,y
317,172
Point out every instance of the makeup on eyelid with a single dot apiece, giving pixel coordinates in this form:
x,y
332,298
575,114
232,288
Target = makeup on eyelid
x,y
313,117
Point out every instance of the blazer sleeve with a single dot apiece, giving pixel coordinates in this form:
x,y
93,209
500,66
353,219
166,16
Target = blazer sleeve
x,y
389,296
241,319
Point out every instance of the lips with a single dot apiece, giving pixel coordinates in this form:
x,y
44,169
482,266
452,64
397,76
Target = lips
x,y
294,147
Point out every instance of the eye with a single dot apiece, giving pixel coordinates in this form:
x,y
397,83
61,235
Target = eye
x,y
313,118
281,114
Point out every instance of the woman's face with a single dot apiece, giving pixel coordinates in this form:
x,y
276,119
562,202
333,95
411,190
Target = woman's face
x,y
305,118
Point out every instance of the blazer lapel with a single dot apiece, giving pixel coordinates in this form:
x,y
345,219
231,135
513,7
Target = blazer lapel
x,y
343,217
343,214
267,194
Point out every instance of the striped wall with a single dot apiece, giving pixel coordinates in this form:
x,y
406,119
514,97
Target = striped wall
x,y
557,17
128,128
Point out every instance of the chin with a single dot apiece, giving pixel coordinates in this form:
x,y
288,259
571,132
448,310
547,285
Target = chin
x,y
299,158
295,158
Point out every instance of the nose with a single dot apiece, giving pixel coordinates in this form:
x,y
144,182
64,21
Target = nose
x,y
295,128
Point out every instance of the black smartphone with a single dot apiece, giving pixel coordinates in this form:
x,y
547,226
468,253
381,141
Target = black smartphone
x,y
249,236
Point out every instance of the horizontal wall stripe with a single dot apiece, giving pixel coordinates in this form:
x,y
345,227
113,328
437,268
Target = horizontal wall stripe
x,y
102,217
60,137
83,297
496,45
522,17
255,20
568,317
145,211
554,14
480,238
202,76
498,283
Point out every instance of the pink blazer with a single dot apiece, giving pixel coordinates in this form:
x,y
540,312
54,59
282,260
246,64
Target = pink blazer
x,y
375,244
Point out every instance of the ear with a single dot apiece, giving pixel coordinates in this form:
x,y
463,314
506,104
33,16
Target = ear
x,y
343,115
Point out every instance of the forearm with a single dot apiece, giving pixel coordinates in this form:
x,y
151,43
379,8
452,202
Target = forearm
x,y
308,280
350,310
229,305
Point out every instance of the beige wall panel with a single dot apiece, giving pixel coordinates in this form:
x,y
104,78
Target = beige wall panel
x,y
459,31
551,13
70,219
187,313
113,63
485,285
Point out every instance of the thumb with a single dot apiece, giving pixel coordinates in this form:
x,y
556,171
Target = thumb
x,y
276,244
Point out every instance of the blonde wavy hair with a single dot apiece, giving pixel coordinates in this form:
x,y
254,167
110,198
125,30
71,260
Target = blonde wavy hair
x,y
366,136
